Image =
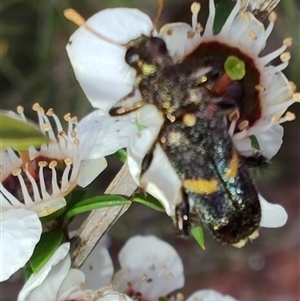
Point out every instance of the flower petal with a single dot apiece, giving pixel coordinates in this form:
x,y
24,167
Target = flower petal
x,y
209,295
272,215
54,271
20,231
99,66
102,135
89,170
151,266
98,268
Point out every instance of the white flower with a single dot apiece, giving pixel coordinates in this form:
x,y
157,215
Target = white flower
x,y
209,295
34,183
150,268
56,281
242,35
271,94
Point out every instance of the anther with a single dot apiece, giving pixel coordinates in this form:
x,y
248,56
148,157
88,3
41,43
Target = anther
x,y
195,7
50,112
288,41
68,161
73,134
190,34
179,297
40,111
144,278
35,107
171,276
67,117
169,31
245,16
20,110
252,35
244,125
52,164
46,127
234,116
80,286
16,172
42,164
285,57
260,88
289,116
275,119
296,97
76,141
292,87
74,120
272,17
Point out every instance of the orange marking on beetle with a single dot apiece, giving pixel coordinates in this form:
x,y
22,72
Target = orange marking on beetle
x,y
201,186
232,169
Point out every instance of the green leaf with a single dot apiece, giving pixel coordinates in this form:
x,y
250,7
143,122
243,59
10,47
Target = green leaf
x,y
222,12
235,68
198,234
149,201
96,202
45,248
254,142
27,272
18,134
121,154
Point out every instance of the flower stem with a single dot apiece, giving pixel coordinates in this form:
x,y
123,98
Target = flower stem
x,y
99,221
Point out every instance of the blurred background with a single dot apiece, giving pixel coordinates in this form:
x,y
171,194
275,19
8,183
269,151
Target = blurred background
x,y
35,68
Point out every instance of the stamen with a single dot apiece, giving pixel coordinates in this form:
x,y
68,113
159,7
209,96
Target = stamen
x,y
260,88
285,57
20,110
234,116
288,42
68,161
80,286
42,164
179,297
244,125
50,112
269,57
40,111
35,107
16,172
210,20
289,116
74,120
76,18
272,17
46,127
226,27
291,86
52,164
67,117
296,97
73,134
252,35
195,9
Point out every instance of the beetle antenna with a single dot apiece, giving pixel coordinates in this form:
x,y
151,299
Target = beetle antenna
x,y
72,15
160,5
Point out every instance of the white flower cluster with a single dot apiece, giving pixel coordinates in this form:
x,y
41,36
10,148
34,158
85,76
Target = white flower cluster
x,y
150,269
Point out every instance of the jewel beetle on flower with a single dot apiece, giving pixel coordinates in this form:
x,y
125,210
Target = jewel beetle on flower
x,y
174,112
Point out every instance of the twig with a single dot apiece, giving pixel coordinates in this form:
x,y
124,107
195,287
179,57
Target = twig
x,y
99,221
